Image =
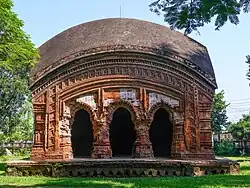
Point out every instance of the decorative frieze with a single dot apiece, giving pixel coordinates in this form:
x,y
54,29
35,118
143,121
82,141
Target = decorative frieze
x,y
39,137
150,85
130,96
107,102
162,52
88,99
155,98
64,127
125,94
150,70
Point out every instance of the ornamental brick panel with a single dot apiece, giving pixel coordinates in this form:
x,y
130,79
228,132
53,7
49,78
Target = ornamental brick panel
x,y
140,78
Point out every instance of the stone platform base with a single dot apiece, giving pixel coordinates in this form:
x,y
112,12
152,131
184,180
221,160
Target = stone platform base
x,y
122,167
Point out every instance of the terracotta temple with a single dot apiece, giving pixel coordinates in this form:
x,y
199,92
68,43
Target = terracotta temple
x,y
122,88
122,97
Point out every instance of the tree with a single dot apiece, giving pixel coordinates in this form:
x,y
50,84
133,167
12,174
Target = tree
x,y
241,129
248,62
17,56
24,122
219,116
192,14
224,148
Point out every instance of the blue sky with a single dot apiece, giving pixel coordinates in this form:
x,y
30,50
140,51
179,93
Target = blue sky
x,y
227,47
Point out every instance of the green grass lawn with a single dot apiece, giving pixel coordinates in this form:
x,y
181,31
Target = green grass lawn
x,y
246,158
241,180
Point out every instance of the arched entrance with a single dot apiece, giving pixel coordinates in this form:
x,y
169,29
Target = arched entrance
x,y
122,133
82,134
161,133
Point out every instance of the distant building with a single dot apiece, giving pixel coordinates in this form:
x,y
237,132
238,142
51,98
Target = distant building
x,y
240,145
222,136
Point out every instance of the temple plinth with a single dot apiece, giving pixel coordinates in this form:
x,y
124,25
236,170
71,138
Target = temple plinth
x,y
119,88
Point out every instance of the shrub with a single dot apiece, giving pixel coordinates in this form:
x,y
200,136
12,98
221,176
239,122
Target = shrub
x,y
224,148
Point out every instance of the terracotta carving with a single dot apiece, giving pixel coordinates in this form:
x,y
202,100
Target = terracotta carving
x,y
113,79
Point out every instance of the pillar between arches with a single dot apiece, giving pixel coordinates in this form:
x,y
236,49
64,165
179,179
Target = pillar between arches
x,y
142,146
101,145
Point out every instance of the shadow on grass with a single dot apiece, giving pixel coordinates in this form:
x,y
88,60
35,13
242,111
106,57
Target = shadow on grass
x,y
177,182
245,168
195,182
2,166
2,169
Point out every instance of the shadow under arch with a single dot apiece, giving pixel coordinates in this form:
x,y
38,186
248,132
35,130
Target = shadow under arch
x,y
112,107
163,105
82,134
75,106
122,129
161,130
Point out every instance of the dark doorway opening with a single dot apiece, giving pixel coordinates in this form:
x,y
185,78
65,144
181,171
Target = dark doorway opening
x,y
82,134
161,133
122,133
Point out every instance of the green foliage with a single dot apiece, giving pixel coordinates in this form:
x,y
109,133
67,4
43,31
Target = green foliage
x,y
241,129
17,56
20,127
219,116
24,126
224,148
16,153
248,62
17,52
192,14
21,153
14,157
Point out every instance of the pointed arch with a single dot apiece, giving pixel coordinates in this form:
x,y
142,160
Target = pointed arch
x,y
161,132
111,108
74,106
163,105
81,118
121,116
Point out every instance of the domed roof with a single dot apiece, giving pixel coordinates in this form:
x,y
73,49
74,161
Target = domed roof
x,y
118,32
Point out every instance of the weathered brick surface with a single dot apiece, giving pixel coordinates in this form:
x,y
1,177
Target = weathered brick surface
x,y
122,168
128,34
129,77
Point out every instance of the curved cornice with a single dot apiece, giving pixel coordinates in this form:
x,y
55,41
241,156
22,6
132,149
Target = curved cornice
x,y
34,79
158,71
